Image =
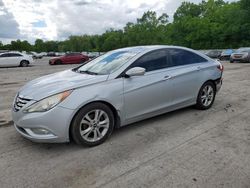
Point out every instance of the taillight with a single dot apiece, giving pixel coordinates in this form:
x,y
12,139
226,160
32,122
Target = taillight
x,y
220,67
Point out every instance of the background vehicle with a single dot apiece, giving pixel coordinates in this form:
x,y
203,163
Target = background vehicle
x,y
118,88
215,54
35,55
225,55
241,55
69,58
93,55
51,54
8,59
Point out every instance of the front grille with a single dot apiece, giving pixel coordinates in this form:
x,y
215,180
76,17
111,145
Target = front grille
x,y
237,56
20,102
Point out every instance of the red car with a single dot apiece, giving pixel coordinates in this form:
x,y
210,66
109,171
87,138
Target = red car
x,y
69,58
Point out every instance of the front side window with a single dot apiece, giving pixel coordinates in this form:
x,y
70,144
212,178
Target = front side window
x,y
4,55
14,55
184,57
152,61
108,62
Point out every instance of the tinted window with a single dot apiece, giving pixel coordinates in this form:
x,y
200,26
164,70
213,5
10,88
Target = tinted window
x,y
184,57
152,61
4,55
73,54
14,55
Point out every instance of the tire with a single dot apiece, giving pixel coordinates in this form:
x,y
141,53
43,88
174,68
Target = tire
x,y
24,63
82,61
231,61
58,62
206,96
85,123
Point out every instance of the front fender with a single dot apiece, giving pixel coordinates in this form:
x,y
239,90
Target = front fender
x,y
110,91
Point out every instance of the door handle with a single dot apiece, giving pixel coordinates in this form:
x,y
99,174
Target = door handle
x,y
166,77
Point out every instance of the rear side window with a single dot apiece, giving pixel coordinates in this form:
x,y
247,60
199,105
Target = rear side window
x,y
184,57
152,61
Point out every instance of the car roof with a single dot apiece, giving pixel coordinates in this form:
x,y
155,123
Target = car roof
x,y
139,49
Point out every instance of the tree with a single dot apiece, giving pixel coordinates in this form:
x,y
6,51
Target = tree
x,y
1,45
39,46
208,24
187,9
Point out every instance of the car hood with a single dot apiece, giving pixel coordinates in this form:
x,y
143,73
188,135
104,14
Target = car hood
x,y
58,82
240,53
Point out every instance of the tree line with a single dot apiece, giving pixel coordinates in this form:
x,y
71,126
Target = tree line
x,y
209,24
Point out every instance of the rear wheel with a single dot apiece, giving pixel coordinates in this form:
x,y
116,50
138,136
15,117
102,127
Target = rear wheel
x,y
206,96
92,125
24,63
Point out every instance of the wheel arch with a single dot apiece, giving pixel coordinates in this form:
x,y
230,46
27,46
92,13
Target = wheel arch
x,y
113,109
24,60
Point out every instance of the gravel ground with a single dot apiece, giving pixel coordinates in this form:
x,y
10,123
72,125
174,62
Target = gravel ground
x,y
185,148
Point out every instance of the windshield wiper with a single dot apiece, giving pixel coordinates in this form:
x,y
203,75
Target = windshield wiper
x,y
87,72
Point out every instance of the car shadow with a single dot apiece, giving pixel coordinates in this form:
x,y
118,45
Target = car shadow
x,y
71,146
149,121
13,67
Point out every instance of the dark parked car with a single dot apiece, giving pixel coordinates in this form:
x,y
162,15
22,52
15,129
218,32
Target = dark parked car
x,y
51,54
241,55
69,58
215,54
225,55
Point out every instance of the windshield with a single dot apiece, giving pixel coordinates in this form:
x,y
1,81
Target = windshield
x,y
107,63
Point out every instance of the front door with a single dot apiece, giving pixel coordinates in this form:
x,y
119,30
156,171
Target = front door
x,y
144,95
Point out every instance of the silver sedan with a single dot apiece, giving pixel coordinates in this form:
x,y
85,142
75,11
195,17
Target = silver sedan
x,y
118,88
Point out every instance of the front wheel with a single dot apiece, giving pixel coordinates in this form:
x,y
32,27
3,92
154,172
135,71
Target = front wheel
x,y
92,125
206,96
58,62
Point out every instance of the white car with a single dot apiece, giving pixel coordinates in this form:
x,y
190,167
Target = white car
x,y
9,59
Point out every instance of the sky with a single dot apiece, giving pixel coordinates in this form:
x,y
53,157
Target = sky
x,y
58,19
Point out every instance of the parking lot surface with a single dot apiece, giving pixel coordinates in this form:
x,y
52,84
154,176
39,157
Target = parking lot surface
x,y
185,148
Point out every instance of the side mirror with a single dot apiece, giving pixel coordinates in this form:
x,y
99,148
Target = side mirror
x,y
136,71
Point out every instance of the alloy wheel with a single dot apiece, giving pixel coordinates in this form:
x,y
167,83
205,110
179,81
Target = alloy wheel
x,y
94,125
207,95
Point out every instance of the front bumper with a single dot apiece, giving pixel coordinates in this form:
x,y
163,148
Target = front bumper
x,y
55,122
241,60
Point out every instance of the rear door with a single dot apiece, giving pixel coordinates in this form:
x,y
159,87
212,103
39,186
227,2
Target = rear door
x,y
187,75
14,59
67,58
77,58
151,92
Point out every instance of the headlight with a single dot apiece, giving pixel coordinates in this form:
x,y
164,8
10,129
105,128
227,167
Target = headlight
x,y
47,103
